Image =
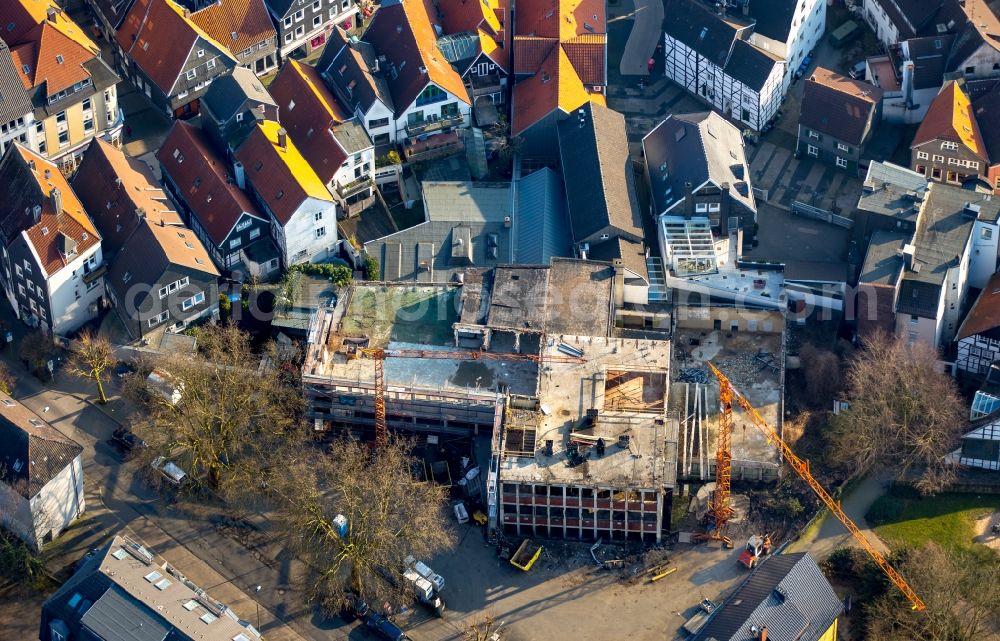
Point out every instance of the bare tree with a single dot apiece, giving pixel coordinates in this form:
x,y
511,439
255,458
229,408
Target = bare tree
x,y
507,145
960,588
905,415
36,349
237,410
7,380
389,515
92,358
485,628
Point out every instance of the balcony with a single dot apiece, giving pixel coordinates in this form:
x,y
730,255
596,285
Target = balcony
x,y
354,187
433,126
446,144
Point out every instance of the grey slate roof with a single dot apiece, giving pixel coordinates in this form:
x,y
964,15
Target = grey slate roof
x,y
930,56
773,18
279,8
697,27
464,228
352,136
118,617
893,191
750,65
693,148
593,147
32,452
542,221
357,59
987,110
15,102
883,262
632,255
787,593
229,92
944,230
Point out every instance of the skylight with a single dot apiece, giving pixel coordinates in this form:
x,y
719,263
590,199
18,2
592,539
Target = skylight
x,y
163,584
120,554
208,617
153,576
191,605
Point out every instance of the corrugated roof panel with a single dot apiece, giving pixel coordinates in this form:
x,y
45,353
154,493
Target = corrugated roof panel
x,y
542,223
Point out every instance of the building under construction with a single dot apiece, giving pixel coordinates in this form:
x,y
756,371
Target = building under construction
x,y
581,443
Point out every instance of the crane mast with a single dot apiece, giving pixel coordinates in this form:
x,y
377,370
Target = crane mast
x,y
728,394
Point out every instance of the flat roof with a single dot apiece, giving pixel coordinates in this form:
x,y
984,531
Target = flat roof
x,y
810,250
625,381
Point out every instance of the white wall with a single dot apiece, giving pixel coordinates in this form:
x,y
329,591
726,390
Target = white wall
x,y
378,111
878,20
301,244
68,311
399,134
57,505
982,60
345,175
983,261
803,38
917,329
987,350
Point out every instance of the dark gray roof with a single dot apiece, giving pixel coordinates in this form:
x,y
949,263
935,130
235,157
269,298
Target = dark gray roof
x,y
351,135
773,18
883,261
910,16
15,102
893,191
228,93
838,106
787,593
632,254
929,56
542,221
345,62
593,147
114,11
944,230
694,148
118,617
32,452
750,65
702,30
279,8
465,228
986,109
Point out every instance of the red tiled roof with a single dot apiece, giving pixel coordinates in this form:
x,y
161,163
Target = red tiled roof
x,y
556,86
47,234
985,313
247,19
41,52
561,19
530,52
458,16
402,31
310,122
950,117
204,181
586,53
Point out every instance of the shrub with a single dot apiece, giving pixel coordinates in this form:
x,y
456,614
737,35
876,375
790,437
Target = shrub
x,y
224,304
371,268
340,275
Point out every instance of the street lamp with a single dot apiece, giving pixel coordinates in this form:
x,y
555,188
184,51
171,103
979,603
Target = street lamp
x,y
256,603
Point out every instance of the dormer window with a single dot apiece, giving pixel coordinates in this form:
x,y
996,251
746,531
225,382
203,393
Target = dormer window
x,y
59,59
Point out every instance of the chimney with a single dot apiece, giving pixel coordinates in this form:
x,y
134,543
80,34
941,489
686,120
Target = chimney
x,y
57,201
48,175
908,82
908,254
746,7
282,138
241,177
51,14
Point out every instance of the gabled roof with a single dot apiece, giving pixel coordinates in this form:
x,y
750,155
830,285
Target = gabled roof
x,y
838,106
47,55
929,56
27,180
312,120
280,175
700,29
530,52
631,253
32,452
21,17
204,181
16,101
561,19
750,65
986,108
910,17
457,16
692,149
593,146
787,593
159,36
237,24
950,117
230,91
985,312
555,87
401,30
883,259
981,27
120,191
543,225
587,54
353,71
773,18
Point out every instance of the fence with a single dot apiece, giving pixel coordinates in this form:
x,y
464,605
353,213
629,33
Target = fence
x,y
808,211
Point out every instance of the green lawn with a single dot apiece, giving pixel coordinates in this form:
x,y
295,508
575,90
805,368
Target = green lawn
x,y
947,519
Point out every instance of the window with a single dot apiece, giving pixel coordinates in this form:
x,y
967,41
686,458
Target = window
x,y
971,69
87,104
236,242
714,207
317,21
300,31
921,169
317,5
812,151
126,277
61,117
972,164
289,36
378,122
287,21
947,144
153,322
841,162
383,139
182,95
17,268
210,64
938,158
254,233
333,11
318,216
63,138
922,155
986,233
239,117
430,95
701,208
197,299
842,147
191,74
88,125
321,232
299,15
814,135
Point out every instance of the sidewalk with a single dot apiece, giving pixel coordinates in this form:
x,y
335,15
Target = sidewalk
x,y
831,534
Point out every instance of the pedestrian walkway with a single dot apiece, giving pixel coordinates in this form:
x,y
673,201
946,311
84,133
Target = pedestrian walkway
x,y
647,21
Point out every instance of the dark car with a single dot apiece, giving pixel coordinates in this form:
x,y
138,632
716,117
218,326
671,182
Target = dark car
x,y
126,442
124,369
385,628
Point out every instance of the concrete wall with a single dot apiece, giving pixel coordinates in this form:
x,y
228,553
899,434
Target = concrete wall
x,y
744,320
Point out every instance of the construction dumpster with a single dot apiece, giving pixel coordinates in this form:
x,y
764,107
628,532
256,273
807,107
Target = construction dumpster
x,y
526,555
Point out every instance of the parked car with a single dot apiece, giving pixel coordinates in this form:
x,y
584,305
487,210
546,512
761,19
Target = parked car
x,y
124,369
385,628
858,71
127,443
170,471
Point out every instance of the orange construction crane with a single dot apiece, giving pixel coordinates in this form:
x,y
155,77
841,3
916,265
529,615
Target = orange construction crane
x,y
379,355
728,394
